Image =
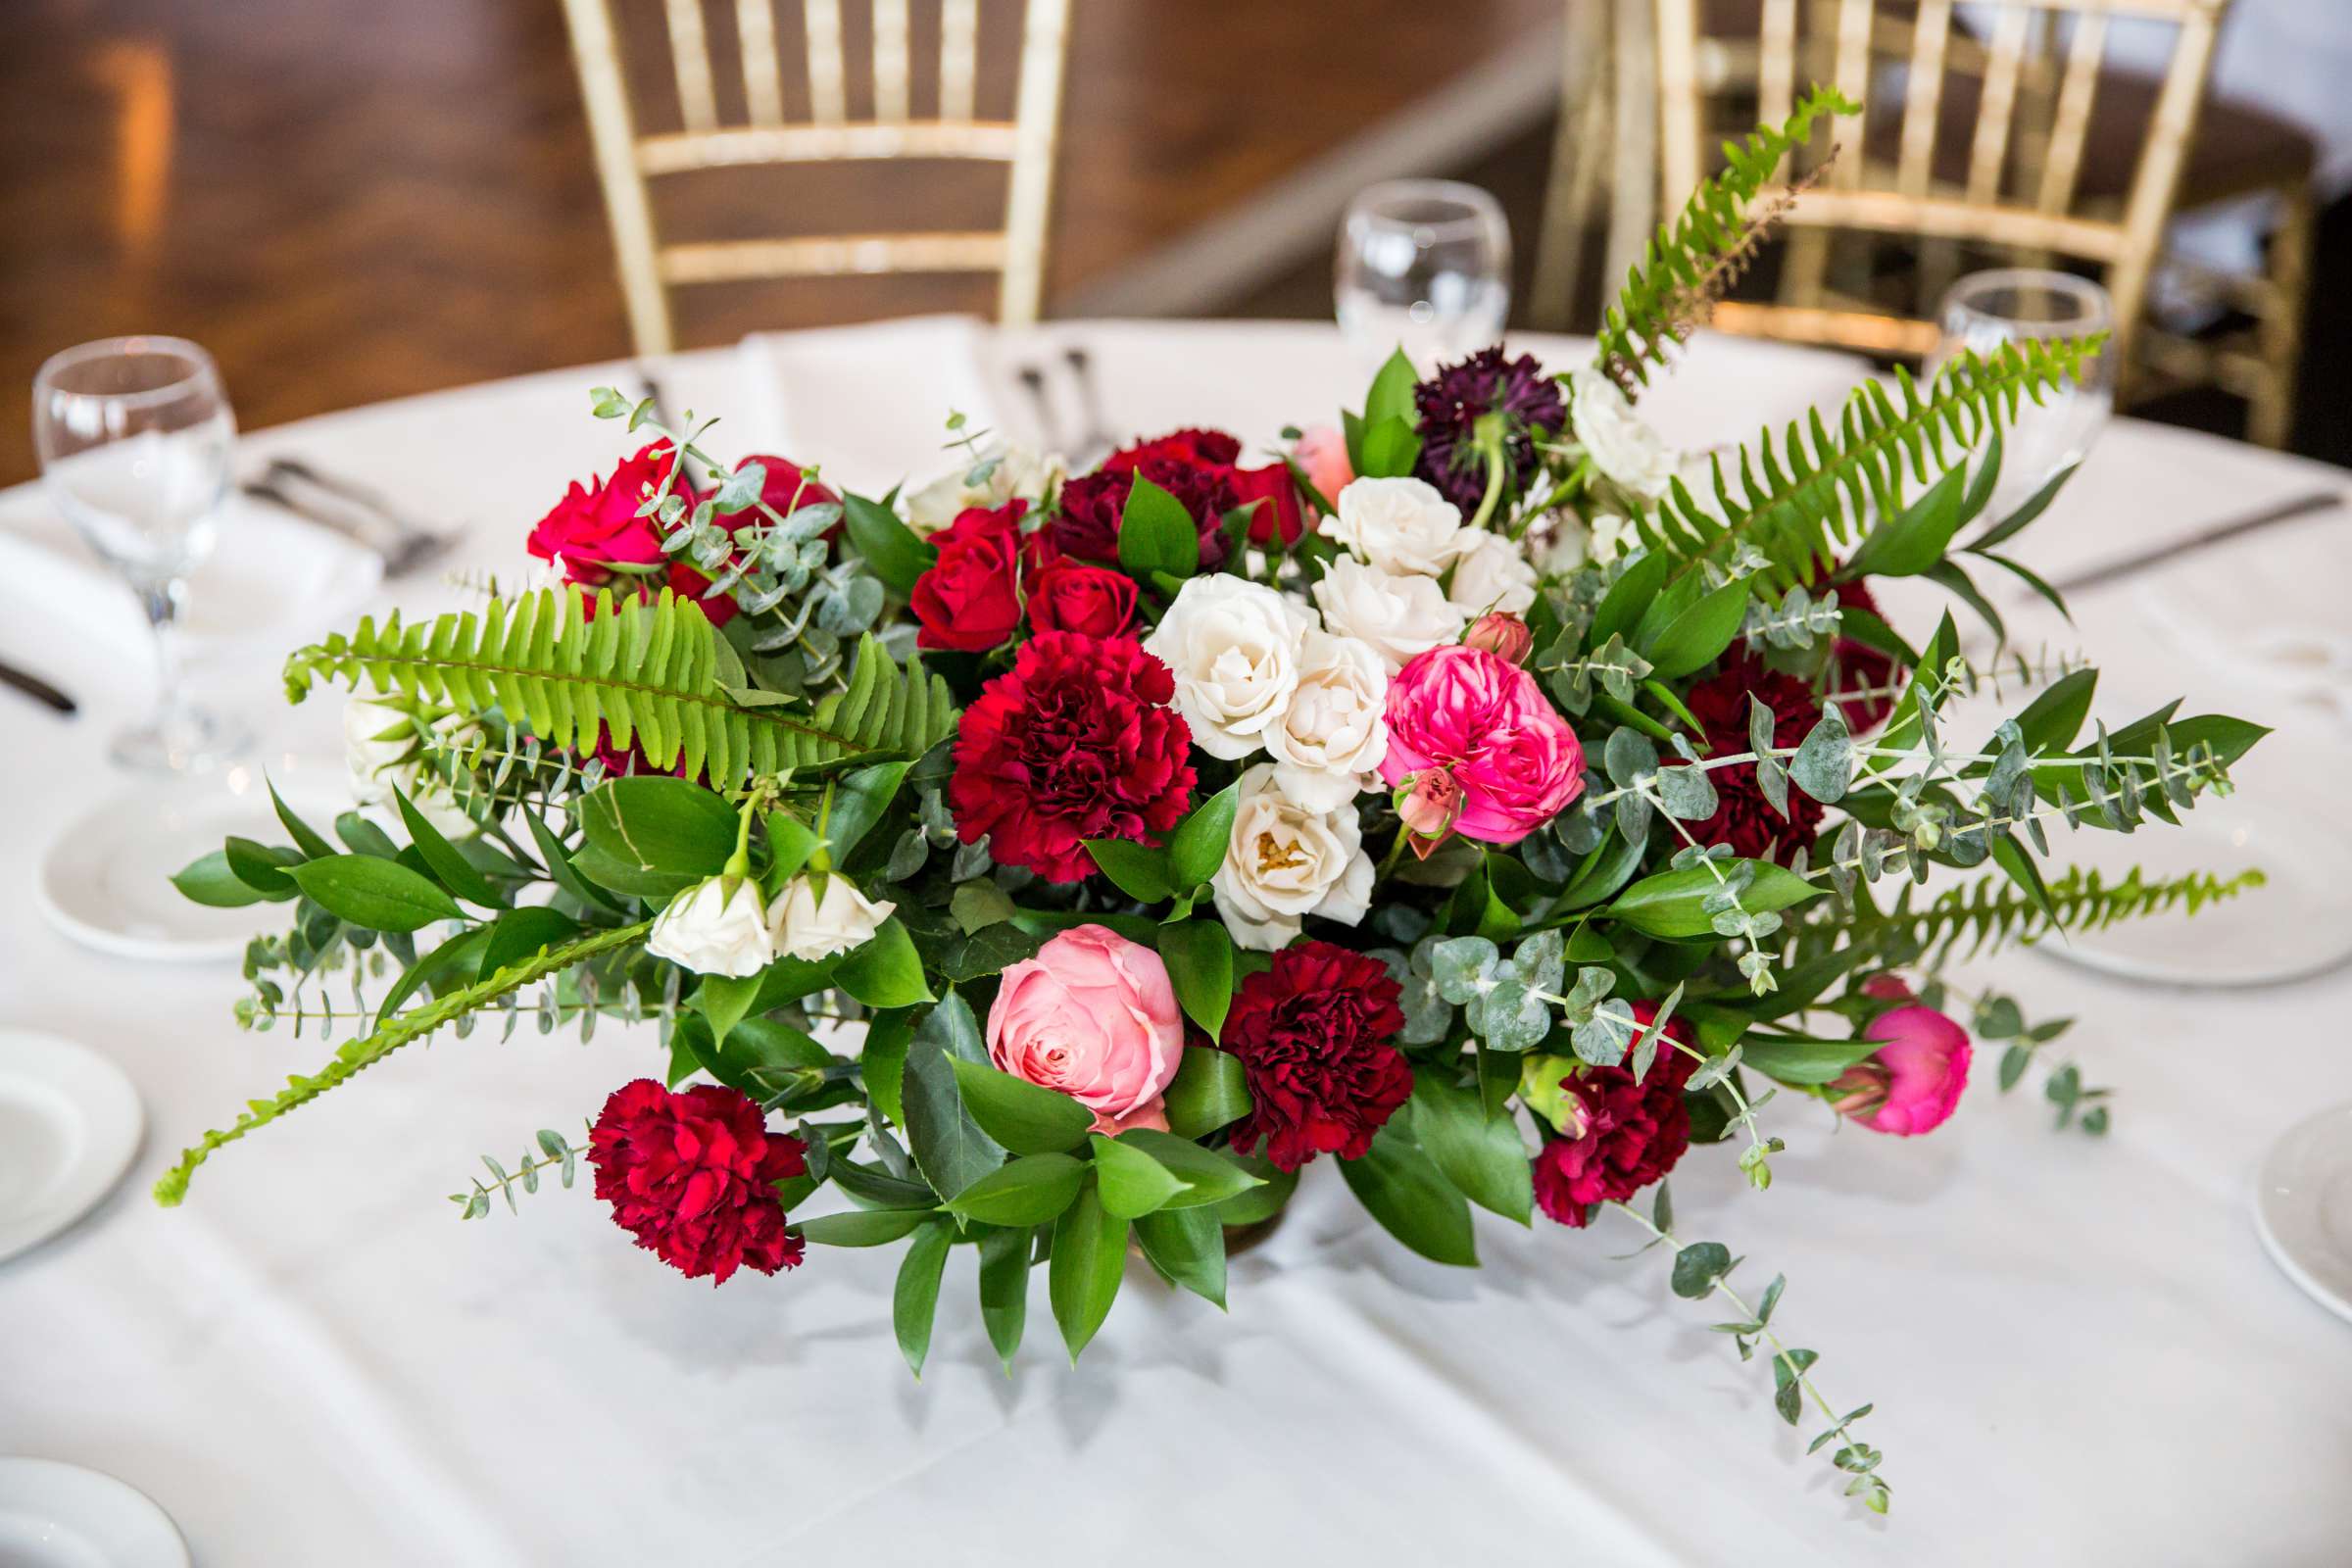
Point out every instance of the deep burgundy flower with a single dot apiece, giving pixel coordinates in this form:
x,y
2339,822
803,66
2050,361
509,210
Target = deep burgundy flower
x,y
1193,448
970,599
1856,666
1743,819
1316,1034
1623,1133
1072,596
590,530
1092,504
692,1176
1450,403
1079,740
1217,453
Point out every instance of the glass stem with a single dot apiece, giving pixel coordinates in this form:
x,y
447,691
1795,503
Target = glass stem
x,y
160,600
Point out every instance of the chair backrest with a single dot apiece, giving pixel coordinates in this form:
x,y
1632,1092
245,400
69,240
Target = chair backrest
x,y
1988,149
855,109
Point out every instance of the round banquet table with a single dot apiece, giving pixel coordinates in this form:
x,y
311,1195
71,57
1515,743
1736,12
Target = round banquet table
x,y
2075,1347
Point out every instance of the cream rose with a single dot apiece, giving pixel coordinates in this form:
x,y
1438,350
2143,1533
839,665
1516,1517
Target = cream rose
x,y
1234,647
1396,524
1399,617
719,927
804,923
1625,450
1492,575
1034,477
1286,862
1330,740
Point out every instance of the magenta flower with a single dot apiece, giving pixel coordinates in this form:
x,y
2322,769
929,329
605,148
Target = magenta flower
x,y
1911,1084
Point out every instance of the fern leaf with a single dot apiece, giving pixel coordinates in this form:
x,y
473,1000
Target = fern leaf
x,y
645,672
1992,911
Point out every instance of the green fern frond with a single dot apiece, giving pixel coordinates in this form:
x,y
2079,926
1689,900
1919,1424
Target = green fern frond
x,y
1715,226
1993,910
644,672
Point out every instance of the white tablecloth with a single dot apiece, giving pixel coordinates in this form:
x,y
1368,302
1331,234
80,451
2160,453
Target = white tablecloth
x,y
2076,1350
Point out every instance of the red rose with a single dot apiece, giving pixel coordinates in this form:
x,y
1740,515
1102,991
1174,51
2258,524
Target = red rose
x,y
1317,1037
1743,819
1856,666
1077,741
784,486
970,599
1193,448
1092,504
1273,486
692,1176
591,530
1071,596
1632,1132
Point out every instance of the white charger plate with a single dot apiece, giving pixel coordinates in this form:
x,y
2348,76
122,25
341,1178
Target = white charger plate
x,y
69,1123
2303,1207
57,1515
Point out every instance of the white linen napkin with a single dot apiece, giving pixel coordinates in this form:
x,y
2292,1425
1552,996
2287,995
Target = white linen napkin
x,y
868,404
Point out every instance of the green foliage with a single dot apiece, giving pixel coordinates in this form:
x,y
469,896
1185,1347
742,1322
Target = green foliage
x,y
1402,1188
1993,910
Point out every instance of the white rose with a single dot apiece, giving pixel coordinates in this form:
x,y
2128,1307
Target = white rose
x,y
718,928
1567,543
1621,446
1611,536
383,749
1234,647
1492,575
805,923
1396,524
1399,617
1034,477
1335,733
1286,862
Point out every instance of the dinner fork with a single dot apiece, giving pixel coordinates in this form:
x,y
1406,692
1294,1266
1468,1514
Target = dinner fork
x,y
353,511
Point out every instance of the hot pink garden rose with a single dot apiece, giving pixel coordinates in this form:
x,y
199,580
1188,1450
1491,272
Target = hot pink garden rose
x,y
1911,1084
1485,719
1094,1016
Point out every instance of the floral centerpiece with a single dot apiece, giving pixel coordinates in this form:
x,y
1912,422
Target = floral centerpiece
x,y
1478,796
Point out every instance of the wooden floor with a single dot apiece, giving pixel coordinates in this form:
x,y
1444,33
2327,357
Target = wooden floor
x,y
349,200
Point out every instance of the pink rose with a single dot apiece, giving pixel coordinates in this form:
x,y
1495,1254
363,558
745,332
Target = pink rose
x,y
1911,1084
1323,453
1483,717
1094,1016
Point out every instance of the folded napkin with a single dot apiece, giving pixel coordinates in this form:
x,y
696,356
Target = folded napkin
x,y
868,403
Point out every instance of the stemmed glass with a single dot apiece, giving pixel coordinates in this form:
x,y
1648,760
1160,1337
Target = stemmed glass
x,y
134,435
1425,263
2020,303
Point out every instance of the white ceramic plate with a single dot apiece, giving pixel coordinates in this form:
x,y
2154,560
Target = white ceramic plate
x,y
106,879
2303,1207
55,1515
69,1123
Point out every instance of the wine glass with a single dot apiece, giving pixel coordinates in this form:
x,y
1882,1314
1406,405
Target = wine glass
x,y
2022,303
1425,265
134,435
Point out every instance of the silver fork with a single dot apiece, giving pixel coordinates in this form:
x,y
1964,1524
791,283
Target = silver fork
x,y
355,511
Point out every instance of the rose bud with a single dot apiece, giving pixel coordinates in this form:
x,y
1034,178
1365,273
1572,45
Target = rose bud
x,y
809,922
1913,1081
1503,636
719,927
1428,802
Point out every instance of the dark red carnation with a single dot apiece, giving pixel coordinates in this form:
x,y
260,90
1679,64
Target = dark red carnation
x,y
1072,596
1856,666
692,1176
1316,1034
1193,448
1092,504
970,599
594,529
1632,1132
1450,404
1077,741
1743,819
1215,453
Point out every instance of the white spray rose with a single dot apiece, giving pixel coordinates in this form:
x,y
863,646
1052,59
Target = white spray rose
x,y
1492,575
1625,450
1330,743
1032,476
1398,525
806,923
1286,862
383,749
1399,617
1611,536
719,927
1234,647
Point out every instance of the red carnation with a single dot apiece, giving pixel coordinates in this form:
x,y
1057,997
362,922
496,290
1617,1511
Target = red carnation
x,y
1077,741
591,530
1093,505
1317,1037
1072,596
1193,448
1215,452
1856,666
970,599
1743,819
1624,1134
692,1176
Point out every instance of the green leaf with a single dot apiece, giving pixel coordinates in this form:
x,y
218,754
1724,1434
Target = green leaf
x,y
1481,1155
1628,597
1030,1190
1210,1089
1156,533
883,1061
1916,538
1390,447
1024,1117
1672,904
1802,1061
947,1145
1258,1203
2055,718
452,869
262,867
723,999
974,906
760,1057
520,934
859,798
668,826
868,1188
1005,1288
914,1302
1693,638
891,549
884,970
559,865
1390,395
1199,959
865,1227
1090,1254
305,838
209,881
1699,1266
1132,1182
1197,845
1400,1187
460,956
1141,871
377,895
790,844
1187,1246
1204,1175
2034,506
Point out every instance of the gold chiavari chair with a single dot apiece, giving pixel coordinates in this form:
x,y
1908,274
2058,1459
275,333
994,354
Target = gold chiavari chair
x,y
856,110
2008,138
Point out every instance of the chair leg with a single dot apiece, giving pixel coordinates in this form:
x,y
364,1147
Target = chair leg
x,y
1634,199
2271,416
1580,152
